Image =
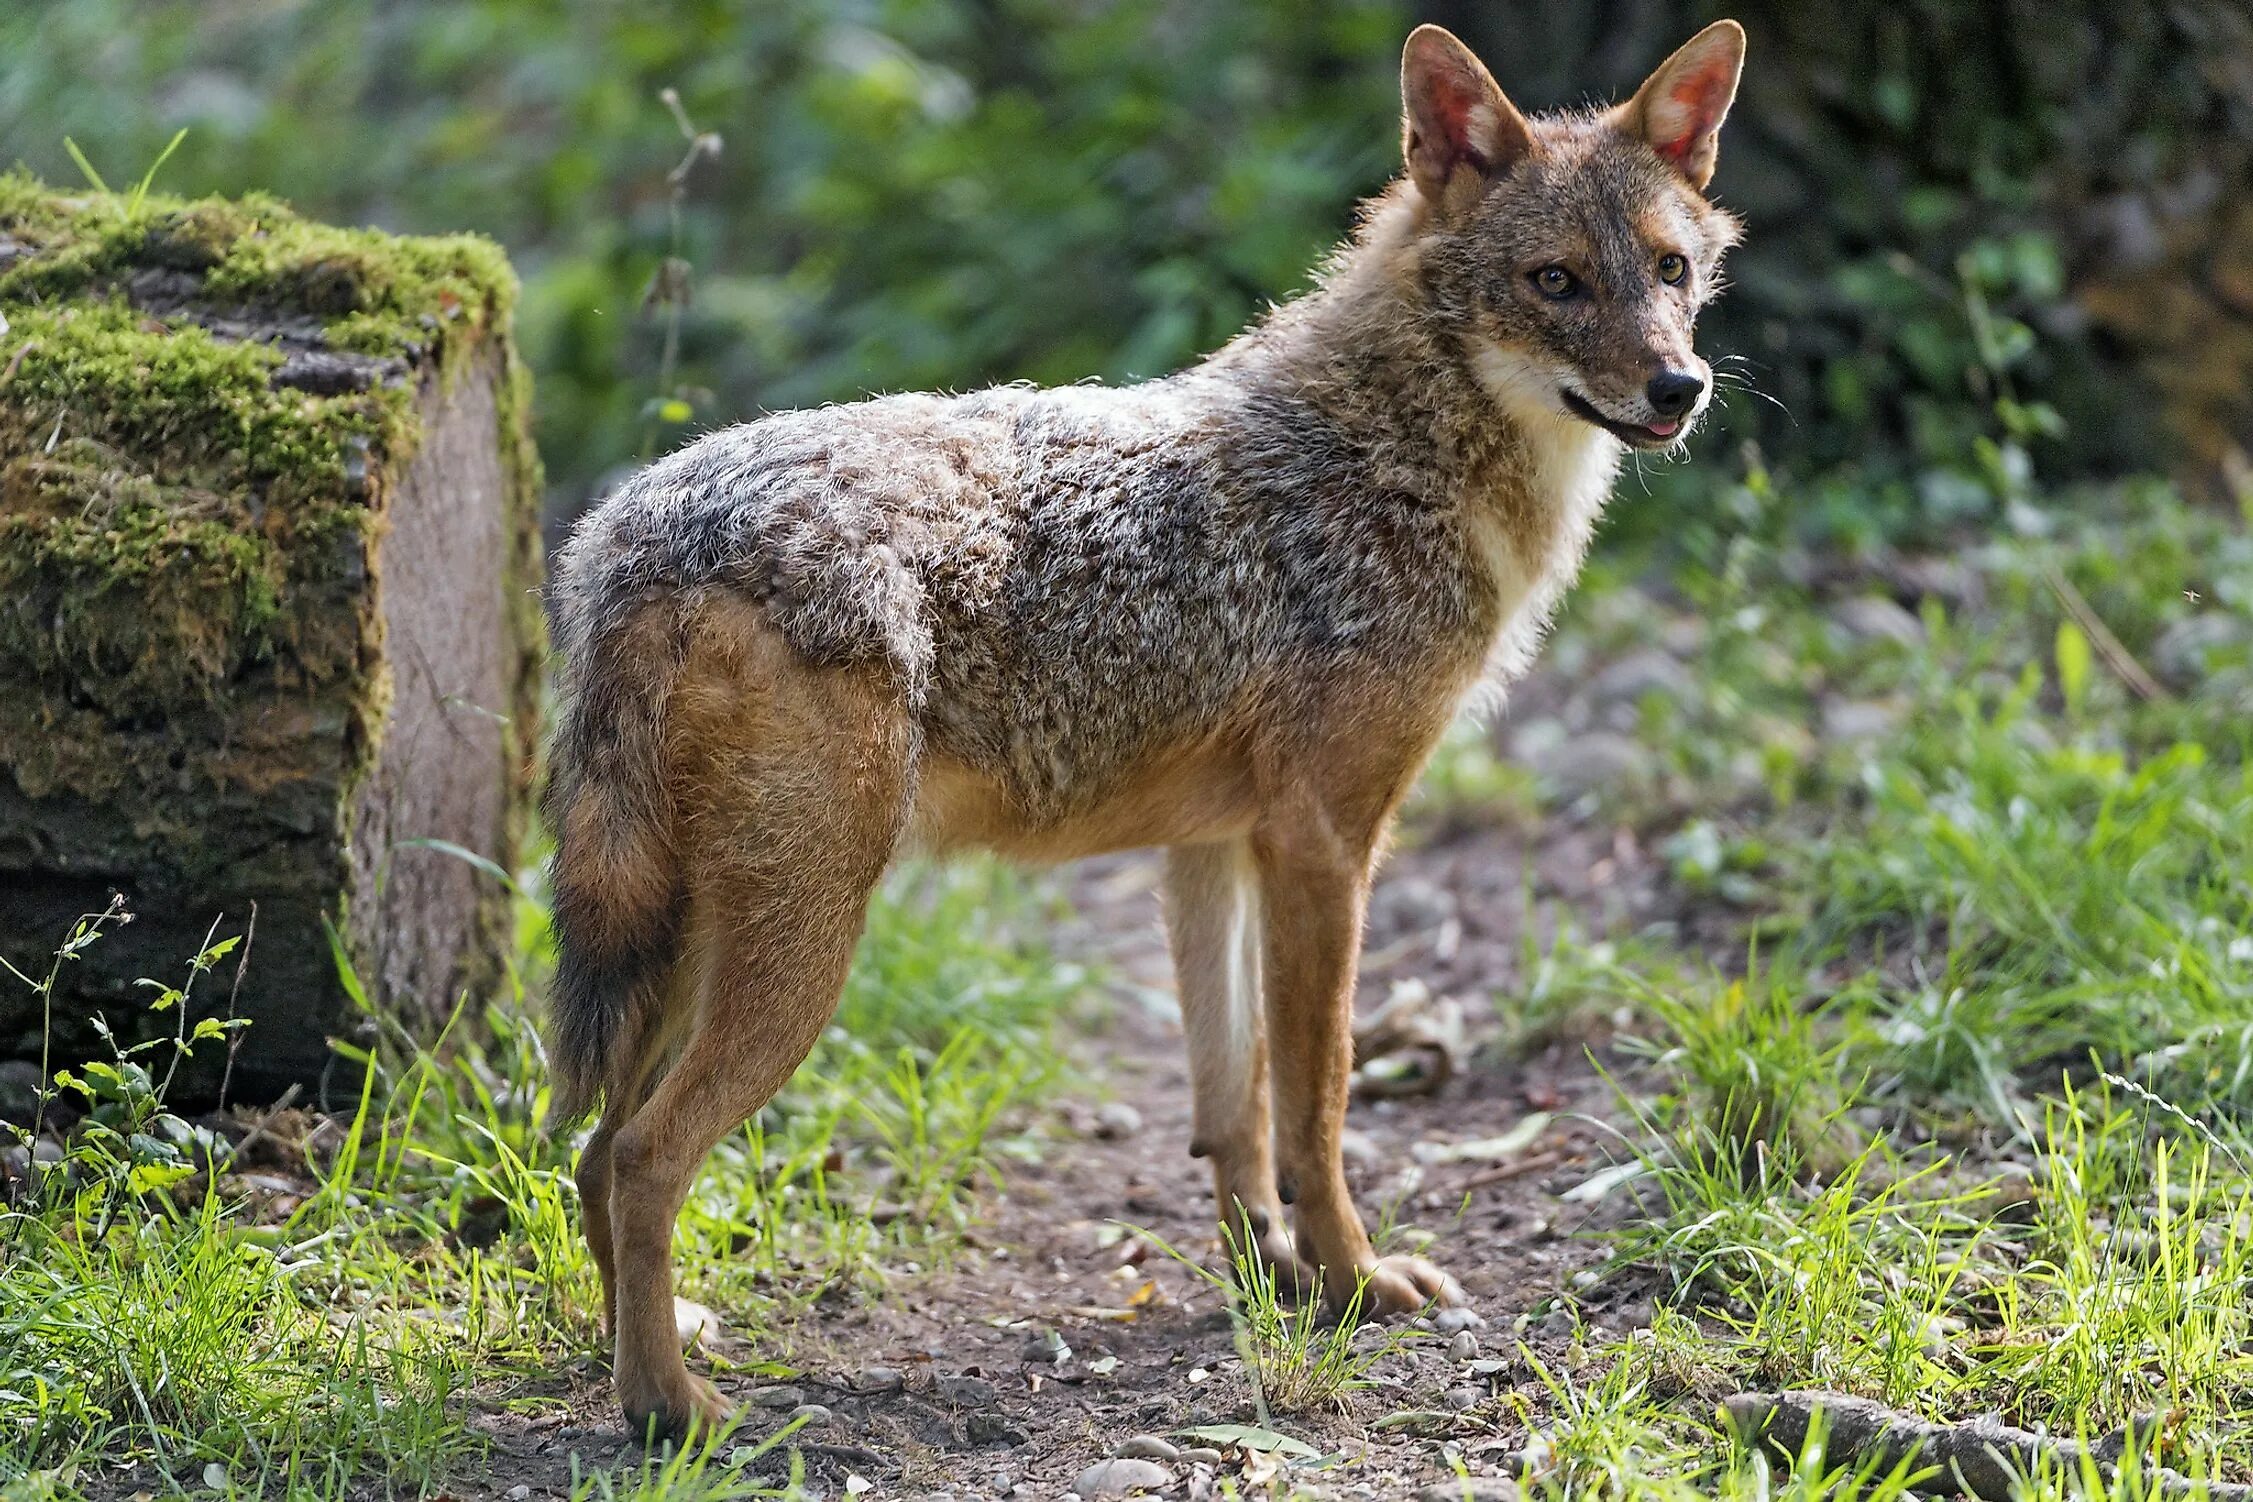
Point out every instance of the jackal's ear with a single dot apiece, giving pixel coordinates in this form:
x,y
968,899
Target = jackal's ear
x,y
1453,113
1679,109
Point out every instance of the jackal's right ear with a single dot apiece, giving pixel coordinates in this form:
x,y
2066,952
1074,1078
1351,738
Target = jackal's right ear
x,y
1454,115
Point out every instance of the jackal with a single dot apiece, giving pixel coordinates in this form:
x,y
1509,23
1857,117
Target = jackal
x,y
1228,612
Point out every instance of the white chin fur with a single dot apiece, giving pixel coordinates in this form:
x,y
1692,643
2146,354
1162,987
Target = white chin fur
x,y
1520,385
1532,392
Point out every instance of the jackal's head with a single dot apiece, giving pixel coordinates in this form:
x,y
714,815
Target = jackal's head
x,y
1571,253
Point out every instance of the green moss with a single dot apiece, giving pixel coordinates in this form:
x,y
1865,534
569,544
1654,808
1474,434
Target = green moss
x,y
136,600
173,402
170,515
388,296
378,293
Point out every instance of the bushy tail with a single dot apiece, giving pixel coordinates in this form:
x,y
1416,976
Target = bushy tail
x,y
619,894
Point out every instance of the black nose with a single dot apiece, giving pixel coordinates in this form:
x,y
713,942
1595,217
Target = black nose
x,y
1674,392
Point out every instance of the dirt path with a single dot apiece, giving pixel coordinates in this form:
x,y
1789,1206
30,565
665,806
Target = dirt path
x,y
1062,1333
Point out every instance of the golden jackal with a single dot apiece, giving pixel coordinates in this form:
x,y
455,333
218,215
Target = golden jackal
x,y
1228,612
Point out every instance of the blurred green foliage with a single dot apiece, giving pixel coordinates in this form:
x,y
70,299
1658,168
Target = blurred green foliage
x,y
943,193
909,193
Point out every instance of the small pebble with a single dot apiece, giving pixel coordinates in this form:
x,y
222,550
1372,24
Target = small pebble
x,y
777,1397
1876,618
1116,1121
879,1379
1853,720
1470,1489
694,1324
1047,1349
1202,1455
1464,1347
968,1392
1462,1398
812,1413
1121,1478
519,1492
1451,1321
1148,1447
993,1429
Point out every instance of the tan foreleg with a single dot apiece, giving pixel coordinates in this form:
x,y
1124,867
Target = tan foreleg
x,y
1313,887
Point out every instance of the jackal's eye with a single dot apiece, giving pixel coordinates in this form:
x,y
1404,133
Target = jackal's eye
x,y
1556,283
1672,268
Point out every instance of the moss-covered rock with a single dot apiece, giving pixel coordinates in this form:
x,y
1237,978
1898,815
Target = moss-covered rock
x,y
268,546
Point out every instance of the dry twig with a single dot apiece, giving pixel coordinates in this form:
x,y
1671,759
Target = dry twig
x,y
2116,656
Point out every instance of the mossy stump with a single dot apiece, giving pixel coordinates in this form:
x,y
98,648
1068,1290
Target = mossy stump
x,y
268,637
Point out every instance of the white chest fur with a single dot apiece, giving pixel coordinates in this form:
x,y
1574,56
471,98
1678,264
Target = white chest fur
x,y
1533,539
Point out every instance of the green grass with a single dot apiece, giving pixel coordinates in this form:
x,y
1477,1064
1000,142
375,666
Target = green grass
x,y
2106,1284
1964,1127
148,1312
1299,1355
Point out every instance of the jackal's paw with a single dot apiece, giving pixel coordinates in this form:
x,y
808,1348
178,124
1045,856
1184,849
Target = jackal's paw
x,y
1403,1285
692,1404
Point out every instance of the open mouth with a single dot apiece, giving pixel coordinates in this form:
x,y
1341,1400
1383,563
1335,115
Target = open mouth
x,y
1641,435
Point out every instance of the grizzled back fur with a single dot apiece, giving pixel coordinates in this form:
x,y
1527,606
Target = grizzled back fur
x,y
1333,522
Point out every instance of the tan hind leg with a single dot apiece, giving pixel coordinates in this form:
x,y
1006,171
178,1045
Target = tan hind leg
x,y
594,1211
1313,888
1212,923
799,792
596,1171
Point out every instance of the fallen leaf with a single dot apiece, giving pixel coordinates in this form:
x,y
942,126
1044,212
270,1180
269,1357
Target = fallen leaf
x,y
1485,1149
1250,1437
1597,1185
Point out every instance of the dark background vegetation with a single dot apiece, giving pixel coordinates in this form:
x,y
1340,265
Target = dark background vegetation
x,y
1989,239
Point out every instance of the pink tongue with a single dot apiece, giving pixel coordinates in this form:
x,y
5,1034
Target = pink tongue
x,y
1664,429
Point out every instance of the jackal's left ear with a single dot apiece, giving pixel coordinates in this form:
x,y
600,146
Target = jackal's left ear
x,y
1679,109
1453,113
